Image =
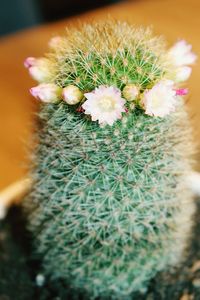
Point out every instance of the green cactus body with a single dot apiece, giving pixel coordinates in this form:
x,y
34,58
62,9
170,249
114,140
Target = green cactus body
x,y
109,205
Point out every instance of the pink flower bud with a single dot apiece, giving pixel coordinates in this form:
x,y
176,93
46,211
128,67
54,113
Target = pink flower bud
x,y
130,92
29,62
126,110
72,95
181,92
47,92
38,68
80,109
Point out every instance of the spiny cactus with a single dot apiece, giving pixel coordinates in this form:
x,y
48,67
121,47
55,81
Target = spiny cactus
x,y
109,206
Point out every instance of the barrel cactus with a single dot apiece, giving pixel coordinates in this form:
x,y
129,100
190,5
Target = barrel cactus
x,y
109,205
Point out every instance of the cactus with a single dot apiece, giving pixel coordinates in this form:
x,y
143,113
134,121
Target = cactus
x,y
109,206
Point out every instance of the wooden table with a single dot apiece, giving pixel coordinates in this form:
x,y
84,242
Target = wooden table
x,y
173,18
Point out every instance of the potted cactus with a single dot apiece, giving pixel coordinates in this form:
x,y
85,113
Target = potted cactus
x,y
109,205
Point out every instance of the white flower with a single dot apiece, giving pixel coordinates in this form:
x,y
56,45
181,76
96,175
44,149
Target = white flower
x,y
104,104
72,95
47,92
183,73
130,92
181,54
38,68
160,100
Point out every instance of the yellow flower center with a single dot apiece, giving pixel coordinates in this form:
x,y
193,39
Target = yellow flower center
x,y
155,101
107,103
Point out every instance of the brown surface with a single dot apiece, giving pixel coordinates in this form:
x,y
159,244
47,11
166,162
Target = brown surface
x,y
173,18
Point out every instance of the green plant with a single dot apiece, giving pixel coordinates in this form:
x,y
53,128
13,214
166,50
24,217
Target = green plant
x,y
109,206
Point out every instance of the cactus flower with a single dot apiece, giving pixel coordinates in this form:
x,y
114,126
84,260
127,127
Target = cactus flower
x,y
160,100
72,95
104,104
181,54
47,92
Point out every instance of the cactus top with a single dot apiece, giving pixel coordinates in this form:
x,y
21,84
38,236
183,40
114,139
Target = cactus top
x,y
107,69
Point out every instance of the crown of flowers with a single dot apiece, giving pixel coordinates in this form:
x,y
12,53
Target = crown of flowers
x,y
106,104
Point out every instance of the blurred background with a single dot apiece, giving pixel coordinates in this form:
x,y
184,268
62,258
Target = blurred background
x,y
19,14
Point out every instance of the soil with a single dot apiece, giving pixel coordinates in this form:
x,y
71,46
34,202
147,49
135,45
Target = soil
x,y
18,272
